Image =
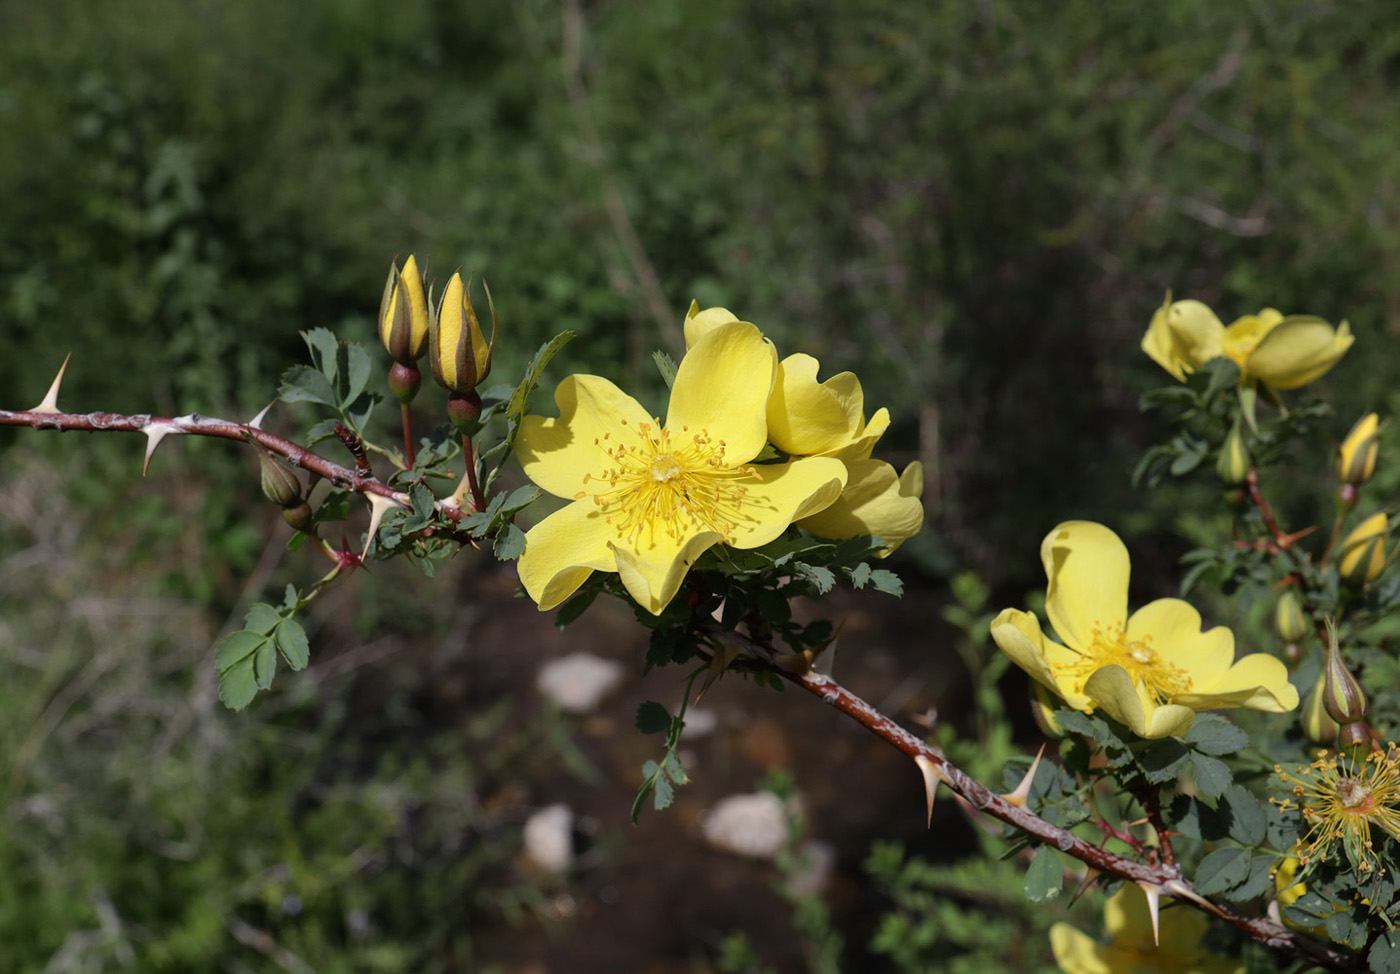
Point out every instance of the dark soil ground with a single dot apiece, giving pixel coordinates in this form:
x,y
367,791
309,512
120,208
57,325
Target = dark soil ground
x,y
655,898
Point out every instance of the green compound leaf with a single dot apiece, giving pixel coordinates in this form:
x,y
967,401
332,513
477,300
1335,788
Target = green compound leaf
x,y
1221,870
264,665
237,686
1214,734
1245,816
1045,877
262,618
291,642
652,718
236,647
1212,776
301,383
509,543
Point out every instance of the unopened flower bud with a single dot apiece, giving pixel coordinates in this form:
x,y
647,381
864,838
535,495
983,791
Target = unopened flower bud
x,y
1356,457
1232,466
1341,694
1289,620
1362,554
459,353
279,484
1043,707
1318,725
1358,740
403,315
299,516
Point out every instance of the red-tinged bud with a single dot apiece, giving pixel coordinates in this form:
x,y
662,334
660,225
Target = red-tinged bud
x,y
1358,740
1341,693
1356,457
1289,620
299,516
459,353
404,381
403,314
465,412
1362,554
1318,725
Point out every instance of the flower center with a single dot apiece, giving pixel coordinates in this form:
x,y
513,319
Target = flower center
x,y
660,481
1109,646
1352,794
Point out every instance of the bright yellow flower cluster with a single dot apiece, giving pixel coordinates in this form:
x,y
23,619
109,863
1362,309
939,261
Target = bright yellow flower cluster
x,y
1281,352
649,497
1152,670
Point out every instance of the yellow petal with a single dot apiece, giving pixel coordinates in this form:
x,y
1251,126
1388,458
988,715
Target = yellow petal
x,y
1076,952
1298,350
1019,636
780,493
1258,681
808,418
653,576
700,323
1183,336
562,551
876,502
557,453
1087,566
1173,629
722,386
1112,689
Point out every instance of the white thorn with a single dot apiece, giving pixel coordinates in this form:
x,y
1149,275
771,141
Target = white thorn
x,y
256,421
1182,890
378,504
826,659
1153,893
50,403
155,432
1023,790
932,776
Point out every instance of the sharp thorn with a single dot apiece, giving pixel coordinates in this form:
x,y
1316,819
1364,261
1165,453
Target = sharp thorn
x,y
378,504
155,432
256,421
50,402
1153,892
1023,790
933,774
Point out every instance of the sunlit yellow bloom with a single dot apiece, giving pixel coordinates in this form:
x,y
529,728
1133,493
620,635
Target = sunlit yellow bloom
x,y
1361,556
403,314
1151,671
1131,949
1356,457
877,501
1282,352
1340,801
807,418
649,498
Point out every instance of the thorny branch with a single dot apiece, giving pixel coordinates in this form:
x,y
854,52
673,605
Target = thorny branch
x,y
1162,877
1159,877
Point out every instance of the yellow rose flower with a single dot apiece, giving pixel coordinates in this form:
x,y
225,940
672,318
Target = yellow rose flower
x,y
1152,670
1361,556
1356,457
807,418
403,314
649,498
1282,352
1131,948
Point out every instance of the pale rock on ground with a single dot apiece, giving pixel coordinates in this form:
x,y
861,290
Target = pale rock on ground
x,y
578,682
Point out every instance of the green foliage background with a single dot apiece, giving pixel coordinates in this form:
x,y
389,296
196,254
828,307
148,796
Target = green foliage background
x,y
976,206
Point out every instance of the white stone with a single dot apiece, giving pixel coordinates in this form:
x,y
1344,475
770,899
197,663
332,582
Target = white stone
x,y
549,839
753,825
577,683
